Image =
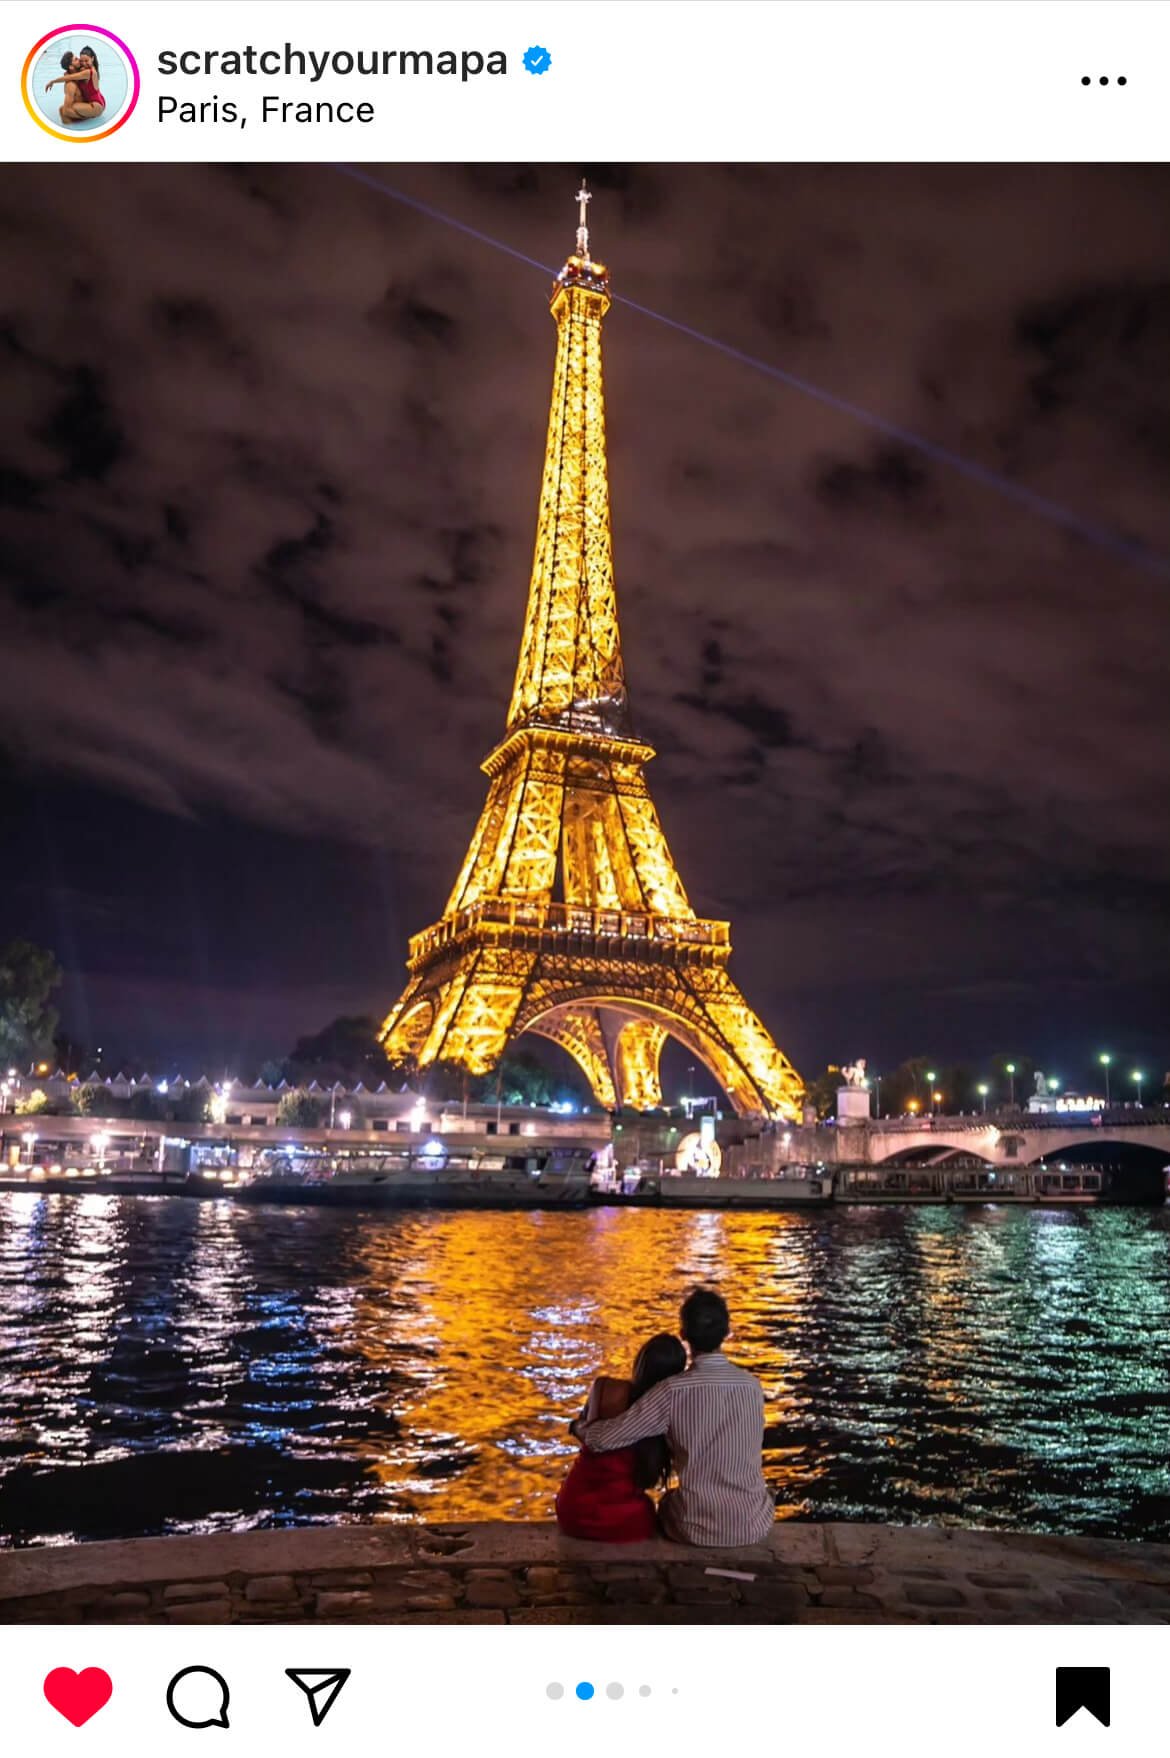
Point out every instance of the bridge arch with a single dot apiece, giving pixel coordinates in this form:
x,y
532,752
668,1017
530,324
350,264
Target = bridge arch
x,y
938,1153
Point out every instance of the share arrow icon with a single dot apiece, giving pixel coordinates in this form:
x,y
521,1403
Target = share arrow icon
x,y
321,1685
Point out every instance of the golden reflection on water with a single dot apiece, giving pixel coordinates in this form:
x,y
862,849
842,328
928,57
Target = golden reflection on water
x,y
995,1365
516,1315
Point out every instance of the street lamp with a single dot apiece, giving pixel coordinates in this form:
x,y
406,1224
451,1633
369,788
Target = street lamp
x,y
982,1091
1138,1078
1010,1071
877,1092
1105,1060
931,1077
30,1142
936,1100
100,1142
1053,1083
345,1118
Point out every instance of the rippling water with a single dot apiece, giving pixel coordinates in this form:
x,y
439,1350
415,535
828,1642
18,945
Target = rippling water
x,y
171,1366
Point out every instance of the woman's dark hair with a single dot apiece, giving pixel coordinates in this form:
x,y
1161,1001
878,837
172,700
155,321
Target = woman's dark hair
x,y
92,53
659,1359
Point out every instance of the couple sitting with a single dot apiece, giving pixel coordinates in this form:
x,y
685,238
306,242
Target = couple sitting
x,y
705,1422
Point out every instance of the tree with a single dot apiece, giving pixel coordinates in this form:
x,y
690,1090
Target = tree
x,y
299,1109
907,1085
188,1105
28,977
147,1105
822,1092
97,1101
38,1103
447,1081
347,1050
524,1079
520,1078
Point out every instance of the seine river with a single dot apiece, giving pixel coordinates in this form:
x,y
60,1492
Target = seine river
x,y
171,1366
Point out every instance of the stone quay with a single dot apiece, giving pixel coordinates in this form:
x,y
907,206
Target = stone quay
x,y
495,1573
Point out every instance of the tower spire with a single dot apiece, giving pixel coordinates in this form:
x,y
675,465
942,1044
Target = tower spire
x,y
584,197
570,670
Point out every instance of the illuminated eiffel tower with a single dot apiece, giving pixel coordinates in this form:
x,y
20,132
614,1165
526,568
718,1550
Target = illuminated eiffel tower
x,y
568,918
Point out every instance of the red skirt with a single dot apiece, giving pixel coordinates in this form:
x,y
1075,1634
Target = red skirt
x,y
600,1499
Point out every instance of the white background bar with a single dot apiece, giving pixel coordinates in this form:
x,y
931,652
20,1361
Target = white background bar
x,y
646,79
821,1690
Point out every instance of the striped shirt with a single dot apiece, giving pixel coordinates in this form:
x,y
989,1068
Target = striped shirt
x,y
713,1419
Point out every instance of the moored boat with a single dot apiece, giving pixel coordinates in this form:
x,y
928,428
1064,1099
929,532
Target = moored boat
x,y
403,1178
793,1187
1054,1186
435,1177
891,1184
990,1184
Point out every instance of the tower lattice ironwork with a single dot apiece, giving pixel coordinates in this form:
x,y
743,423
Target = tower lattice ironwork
x,y
568,917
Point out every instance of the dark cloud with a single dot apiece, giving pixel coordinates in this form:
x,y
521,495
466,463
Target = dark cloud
x,y
268,483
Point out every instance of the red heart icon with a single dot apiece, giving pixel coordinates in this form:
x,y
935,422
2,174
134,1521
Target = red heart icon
x,y
77,1696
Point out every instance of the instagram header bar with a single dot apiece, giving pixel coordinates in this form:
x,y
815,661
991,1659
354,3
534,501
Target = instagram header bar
x,y
828,80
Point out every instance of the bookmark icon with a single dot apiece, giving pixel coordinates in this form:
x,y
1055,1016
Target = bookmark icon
x,y
321,1685
1082,1687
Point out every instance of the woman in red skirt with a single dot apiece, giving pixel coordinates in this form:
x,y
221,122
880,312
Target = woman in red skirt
x,y
604,1496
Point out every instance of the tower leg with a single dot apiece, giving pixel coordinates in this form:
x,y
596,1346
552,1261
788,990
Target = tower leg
x,y
463,1013
639,1047
579,1032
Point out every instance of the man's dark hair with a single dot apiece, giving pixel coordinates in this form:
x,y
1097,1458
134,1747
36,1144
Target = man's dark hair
x,y
705,1320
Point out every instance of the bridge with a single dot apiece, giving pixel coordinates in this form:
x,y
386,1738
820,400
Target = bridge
x,y
1006,1138
1004,1141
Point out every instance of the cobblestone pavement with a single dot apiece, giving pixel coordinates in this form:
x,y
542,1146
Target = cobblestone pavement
x,y
526,1574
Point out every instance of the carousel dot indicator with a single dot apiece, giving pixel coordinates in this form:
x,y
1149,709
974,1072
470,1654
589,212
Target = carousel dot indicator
x,y
584,1690
643,1690
615,1691
555,1691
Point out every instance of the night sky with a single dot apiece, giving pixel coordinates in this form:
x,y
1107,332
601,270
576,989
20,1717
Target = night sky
x,y
269,460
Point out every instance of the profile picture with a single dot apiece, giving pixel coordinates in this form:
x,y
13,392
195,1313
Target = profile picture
x,y
80,83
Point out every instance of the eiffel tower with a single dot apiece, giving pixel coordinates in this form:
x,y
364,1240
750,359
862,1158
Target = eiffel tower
x,y
568,918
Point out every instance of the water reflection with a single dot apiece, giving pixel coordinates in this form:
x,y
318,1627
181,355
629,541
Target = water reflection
x,y
171,1366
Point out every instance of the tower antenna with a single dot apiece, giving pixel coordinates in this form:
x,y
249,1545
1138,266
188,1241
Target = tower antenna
x,y
584,197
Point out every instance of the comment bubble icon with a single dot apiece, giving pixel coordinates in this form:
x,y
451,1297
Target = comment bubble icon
x,y
198,1697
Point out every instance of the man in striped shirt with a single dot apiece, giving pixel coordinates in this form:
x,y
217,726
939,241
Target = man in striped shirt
x,y
713,1419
